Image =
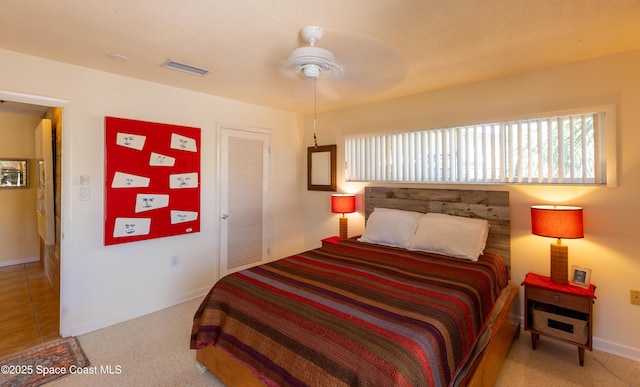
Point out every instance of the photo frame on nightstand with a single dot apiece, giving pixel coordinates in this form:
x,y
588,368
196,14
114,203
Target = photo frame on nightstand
x,y
580,276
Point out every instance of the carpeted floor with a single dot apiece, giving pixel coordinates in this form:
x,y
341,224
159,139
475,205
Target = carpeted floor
x,y
154,351
43,363
554,363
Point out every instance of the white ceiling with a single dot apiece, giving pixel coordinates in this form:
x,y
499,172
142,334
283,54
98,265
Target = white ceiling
x,y
388,48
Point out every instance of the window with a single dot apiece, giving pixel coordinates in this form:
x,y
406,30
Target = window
x,y
561,149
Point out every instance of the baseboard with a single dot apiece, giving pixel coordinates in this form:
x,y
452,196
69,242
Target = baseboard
x,y
616,349
19,261
77,330
606,346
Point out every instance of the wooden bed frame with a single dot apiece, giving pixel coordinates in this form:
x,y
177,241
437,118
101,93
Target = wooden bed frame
x,y
490,205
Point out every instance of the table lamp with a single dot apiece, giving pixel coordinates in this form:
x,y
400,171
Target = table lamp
x,y
343,204
557,222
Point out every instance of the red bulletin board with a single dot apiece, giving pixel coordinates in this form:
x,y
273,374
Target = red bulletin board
x,y
152,180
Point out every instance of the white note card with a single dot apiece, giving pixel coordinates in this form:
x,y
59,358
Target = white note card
x,y
183,216
134,141
127,180
183,180
183,143
148,202
158,160
126,227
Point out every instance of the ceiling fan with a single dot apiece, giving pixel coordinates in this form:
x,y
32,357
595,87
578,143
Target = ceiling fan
x,y
373,66
361,66
311,61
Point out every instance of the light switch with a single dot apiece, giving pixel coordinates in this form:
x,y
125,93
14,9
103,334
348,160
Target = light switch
x,y
85,180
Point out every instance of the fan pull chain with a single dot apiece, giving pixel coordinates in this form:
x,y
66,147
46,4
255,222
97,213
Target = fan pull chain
x,y
315,104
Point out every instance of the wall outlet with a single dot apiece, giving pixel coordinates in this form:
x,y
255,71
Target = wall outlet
x,y
174,260
635,297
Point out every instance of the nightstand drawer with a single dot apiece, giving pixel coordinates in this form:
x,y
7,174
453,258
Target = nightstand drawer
x,y
564,300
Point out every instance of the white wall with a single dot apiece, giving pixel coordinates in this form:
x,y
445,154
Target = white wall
x,y
105,285
19,239
611,215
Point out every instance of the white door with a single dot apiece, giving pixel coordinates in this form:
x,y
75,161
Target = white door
x,y
244,199
44,182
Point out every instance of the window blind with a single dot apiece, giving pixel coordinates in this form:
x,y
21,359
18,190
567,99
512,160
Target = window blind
x,y
551,150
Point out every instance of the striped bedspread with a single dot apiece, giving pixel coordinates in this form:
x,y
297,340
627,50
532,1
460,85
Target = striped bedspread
x,y
352,314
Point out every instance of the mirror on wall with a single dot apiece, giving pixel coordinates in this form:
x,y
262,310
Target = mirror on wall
x,y
14,173
321,168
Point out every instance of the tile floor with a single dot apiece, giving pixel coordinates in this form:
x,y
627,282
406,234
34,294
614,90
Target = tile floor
x,y
29,308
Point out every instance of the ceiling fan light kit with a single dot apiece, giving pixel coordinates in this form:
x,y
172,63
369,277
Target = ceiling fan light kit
x,y
313,62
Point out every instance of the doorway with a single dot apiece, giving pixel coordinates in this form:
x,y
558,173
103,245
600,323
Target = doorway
x,y
40,287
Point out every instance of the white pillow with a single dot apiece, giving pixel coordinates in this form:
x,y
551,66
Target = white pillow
x,y
390,227
482,224
454,236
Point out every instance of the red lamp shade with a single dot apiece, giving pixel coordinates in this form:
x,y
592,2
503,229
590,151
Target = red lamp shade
x,y
557,221
343,203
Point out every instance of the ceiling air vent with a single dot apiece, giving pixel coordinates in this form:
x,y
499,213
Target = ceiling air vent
x,y
170,64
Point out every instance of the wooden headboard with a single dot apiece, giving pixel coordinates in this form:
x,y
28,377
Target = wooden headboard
x,y
490,205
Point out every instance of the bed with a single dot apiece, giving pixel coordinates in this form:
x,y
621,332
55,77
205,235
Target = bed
x,y
363,312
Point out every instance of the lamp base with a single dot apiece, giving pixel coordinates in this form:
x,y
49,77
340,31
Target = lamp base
x,y
343,228
559,263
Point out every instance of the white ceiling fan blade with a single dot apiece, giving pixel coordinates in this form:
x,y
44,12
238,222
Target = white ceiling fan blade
x,y
370,65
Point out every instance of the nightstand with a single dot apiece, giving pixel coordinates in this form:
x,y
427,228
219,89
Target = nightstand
x,y
330,240
560,311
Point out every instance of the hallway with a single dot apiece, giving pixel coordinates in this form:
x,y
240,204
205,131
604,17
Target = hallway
x,y
29,308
